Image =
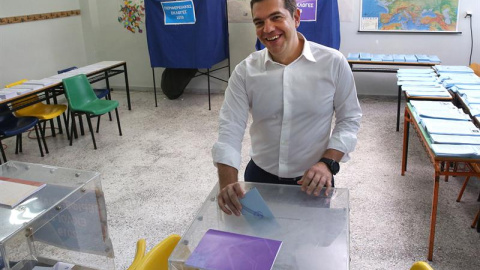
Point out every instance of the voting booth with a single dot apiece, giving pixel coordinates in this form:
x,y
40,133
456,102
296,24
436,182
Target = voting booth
x,y
188,34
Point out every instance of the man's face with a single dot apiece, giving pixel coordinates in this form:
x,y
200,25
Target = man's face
x,y
276,28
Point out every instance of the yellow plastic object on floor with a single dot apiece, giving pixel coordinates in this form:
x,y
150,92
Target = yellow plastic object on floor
x,y
157,257
139,255
421,266
15,83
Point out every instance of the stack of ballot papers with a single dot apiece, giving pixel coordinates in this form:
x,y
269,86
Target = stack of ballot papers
x,y
421,83
438,110
452,69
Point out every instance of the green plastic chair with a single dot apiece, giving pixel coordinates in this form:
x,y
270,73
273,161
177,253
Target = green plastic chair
x,y
82,100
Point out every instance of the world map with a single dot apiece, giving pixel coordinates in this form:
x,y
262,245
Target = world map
x,y
409,15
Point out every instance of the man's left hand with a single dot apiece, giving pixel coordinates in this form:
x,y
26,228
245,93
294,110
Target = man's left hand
x,y
315,178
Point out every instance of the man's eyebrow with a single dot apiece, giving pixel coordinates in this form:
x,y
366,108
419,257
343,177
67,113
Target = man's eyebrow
x,y
269,15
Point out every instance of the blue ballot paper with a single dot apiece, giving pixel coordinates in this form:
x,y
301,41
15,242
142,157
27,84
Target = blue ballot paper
x,y
254,206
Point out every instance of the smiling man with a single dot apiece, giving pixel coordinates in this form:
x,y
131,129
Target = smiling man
x,y
292,89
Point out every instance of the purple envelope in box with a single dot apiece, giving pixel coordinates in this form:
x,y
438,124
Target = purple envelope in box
x,y
219,250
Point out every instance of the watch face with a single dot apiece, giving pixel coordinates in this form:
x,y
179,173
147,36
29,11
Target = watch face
x,y
335,167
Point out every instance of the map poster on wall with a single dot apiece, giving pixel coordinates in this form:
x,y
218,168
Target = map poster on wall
x,y
409,15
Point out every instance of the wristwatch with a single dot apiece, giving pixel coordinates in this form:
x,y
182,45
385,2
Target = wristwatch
x,y
332,165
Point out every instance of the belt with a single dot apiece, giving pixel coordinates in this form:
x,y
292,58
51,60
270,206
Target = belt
x,y
294,179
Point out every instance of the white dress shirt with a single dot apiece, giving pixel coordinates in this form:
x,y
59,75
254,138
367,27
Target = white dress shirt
x,y
292,109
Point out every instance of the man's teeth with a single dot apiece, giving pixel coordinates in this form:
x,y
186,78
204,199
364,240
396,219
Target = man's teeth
x,y
273,38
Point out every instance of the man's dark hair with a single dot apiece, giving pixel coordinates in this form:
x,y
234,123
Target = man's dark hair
x,y
290,5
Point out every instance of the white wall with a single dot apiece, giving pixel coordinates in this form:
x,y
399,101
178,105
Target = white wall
x,y
34,50
39,49
452,49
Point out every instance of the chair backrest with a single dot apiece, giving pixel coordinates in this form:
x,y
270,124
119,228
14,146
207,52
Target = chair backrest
x,y
15,83
139,254
66,70
421,266
157,257
476,68
78,91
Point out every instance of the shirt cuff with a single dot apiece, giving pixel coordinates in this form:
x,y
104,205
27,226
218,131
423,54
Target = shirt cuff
x,y
226,154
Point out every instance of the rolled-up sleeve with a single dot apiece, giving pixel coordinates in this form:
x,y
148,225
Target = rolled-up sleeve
x,y
347,112
232,121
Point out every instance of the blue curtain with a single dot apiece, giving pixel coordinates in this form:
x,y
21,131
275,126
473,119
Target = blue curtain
x,y
326,30
199,45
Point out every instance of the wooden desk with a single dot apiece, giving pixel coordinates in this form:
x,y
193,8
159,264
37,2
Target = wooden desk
x,y
110,69
441,166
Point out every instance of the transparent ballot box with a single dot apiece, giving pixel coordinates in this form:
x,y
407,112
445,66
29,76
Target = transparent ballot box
x,y
65,221
314,230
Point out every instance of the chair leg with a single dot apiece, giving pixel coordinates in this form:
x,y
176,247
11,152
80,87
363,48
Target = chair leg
x,y
98,123
3,152
52,128
42,133
20,143
118,122
91,130
65,120
475,220
38,139
17,142
80,121
108,97
71,130
463,188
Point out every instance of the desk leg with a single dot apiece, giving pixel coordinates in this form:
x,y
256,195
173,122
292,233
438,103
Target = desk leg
x,y
127,87
154,87
398,106
433,219
406,135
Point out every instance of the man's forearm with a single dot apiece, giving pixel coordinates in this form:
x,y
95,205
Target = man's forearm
x,y
226,175
333,154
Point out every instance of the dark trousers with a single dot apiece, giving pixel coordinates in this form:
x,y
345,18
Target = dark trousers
x,y
253,173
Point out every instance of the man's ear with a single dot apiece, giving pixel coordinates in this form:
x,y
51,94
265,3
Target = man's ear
x,y
296,17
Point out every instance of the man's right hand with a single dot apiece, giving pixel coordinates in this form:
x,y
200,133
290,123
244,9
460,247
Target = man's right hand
x,y
228,198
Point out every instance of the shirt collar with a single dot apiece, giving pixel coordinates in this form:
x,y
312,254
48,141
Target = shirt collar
x,y
306,52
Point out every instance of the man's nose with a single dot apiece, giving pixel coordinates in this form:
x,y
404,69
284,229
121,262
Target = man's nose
x,y
268,26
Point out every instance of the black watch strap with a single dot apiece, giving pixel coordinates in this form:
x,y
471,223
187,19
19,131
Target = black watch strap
x,y
332,165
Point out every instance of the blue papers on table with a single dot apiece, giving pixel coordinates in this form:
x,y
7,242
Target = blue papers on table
x,y
450,127
254,206
450,69
353,56
438,110
220,250
455,150
416,71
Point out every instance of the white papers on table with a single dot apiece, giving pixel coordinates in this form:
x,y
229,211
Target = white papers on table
x,y
438,110
7,93
418,78
27,86
416,71
455,150
455,139
426,83
457,69
449,127
441,93
461,88
42,82
425,88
